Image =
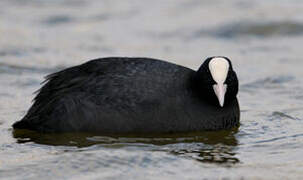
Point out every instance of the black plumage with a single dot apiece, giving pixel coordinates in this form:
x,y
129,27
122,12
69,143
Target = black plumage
x,y
131,95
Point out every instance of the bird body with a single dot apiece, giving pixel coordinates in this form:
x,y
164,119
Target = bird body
x,y
127,95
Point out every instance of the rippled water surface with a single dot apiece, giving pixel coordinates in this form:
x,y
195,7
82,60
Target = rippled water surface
x,y
263,39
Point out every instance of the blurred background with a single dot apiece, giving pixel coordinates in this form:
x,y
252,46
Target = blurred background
x,y
262,38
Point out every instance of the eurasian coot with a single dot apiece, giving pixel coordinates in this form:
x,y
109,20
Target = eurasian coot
x,y
136,95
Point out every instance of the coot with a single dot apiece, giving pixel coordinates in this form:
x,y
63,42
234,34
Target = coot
x,y
136,95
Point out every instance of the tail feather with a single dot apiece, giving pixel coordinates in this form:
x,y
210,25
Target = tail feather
x,y
22,124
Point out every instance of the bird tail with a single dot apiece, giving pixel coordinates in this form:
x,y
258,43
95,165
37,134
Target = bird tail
x,y
22,124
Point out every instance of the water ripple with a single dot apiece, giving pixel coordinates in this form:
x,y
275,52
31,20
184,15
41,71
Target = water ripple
x,y
16,69
269,82
278,138
280,115
257,29
58,20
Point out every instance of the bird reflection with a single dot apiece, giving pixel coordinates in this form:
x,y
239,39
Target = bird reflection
x,y
220,154
207,147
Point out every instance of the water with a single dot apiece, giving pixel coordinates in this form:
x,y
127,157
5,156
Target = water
x,y
263,39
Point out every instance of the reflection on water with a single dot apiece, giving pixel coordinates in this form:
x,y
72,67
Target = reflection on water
x,y
220,154
210,147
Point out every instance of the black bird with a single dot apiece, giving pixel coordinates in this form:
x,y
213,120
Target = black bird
x,y
118,95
